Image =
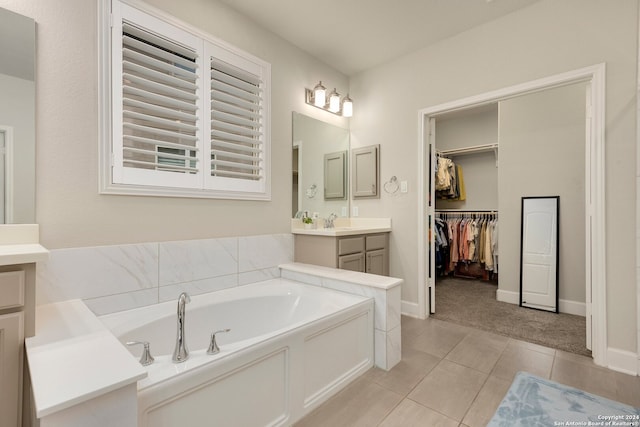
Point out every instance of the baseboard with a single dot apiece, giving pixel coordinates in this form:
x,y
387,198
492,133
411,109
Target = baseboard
x,y
508,296
410,309
573,307
565,306
622,361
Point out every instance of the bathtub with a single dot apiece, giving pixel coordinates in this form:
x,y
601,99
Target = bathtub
x,y
290,347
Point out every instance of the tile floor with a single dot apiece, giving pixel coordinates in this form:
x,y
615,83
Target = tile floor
x,y
456,376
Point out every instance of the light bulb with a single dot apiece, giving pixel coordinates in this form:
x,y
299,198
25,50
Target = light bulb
x,y
347,107
319,95
334,101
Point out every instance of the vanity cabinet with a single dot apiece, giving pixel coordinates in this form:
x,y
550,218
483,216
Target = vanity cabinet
x,y
11,354
17,320
367,253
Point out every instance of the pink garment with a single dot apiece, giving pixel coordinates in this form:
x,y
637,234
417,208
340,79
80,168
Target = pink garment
x,y
453,253
464,237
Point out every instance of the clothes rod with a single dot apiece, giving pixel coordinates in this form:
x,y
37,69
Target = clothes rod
x,y
453,212
467,211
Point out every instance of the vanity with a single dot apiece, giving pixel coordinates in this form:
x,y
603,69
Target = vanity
x,y
356,244
19,253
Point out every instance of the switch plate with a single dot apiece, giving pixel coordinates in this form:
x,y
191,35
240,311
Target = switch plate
x,y
355,211
403,186
344,211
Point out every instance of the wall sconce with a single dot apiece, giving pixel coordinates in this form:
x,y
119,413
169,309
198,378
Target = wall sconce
x,y
333,104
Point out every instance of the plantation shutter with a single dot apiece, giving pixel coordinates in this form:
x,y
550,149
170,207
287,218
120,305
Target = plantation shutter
x,y
156,129
190,114
238,148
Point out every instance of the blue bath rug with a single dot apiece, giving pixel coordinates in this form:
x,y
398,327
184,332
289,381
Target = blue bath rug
x,y
536,402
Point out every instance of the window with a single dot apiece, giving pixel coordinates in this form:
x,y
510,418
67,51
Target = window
x,y
190,114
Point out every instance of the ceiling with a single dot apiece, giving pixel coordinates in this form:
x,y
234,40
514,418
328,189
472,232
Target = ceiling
x,y
354,35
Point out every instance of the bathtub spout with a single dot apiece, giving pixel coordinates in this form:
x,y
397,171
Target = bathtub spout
x,y
181,352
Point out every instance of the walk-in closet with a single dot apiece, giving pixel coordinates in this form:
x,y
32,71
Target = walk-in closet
x,y
466,195
484,161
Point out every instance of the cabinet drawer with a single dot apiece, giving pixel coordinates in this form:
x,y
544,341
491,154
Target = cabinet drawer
x,y
11,289
350,245
376,241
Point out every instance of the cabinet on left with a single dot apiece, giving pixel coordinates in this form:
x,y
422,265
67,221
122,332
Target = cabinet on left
x,y
17,320
19,253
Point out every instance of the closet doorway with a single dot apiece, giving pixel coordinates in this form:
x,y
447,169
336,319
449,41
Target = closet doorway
x,y
592,205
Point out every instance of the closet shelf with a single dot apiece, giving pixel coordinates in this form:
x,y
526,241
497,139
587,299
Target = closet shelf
x,y
471,150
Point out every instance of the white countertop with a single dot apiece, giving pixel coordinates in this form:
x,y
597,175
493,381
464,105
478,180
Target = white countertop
x,y
372,280
22,254
74,358
19,244
343,227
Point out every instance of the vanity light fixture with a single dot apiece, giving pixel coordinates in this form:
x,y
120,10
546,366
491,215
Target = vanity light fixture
x,y
333,104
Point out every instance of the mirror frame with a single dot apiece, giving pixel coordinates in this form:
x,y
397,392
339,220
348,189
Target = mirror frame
x,y
552,257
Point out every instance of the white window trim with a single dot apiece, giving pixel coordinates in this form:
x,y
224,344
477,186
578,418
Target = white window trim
x,y
105,181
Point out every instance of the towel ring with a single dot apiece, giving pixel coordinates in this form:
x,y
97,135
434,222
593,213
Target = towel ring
x,y
391,186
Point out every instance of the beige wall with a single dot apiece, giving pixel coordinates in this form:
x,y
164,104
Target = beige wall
x,y
70,211
546,38
542,153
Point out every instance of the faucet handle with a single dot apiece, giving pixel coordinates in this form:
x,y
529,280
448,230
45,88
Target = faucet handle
x,y
146,358
213,345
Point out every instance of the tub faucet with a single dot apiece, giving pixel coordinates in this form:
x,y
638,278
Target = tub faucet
x,y
181,352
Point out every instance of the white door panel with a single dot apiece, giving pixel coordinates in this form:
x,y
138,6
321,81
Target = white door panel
x,y
539,253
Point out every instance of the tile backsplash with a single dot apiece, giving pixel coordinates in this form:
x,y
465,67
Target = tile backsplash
x,y
121,277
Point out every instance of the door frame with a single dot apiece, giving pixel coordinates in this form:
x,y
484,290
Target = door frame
x,y
595,244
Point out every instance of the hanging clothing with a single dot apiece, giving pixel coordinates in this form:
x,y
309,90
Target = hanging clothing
x,y
449,180
462,240
462,194
443,174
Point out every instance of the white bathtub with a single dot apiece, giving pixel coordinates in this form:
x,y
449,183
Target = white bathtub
x,y
291,346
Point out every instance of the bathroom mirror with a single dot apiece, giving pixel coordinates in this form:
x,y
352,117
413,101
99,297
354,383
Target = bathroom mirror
x,y
17,118
320,167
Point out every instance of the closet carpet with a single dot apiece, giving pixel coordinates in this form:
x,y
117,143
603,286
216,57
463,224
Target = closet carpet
x,y
473,303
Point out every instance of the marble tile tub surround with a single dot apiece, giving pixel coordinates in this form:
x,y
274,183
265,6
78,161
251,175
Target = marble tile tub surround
x,y
122,277
384,290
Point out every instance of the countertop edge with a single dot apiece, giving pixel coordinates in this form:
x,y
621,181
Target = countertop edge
x,y
365,279
76,355
22,253
337,233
